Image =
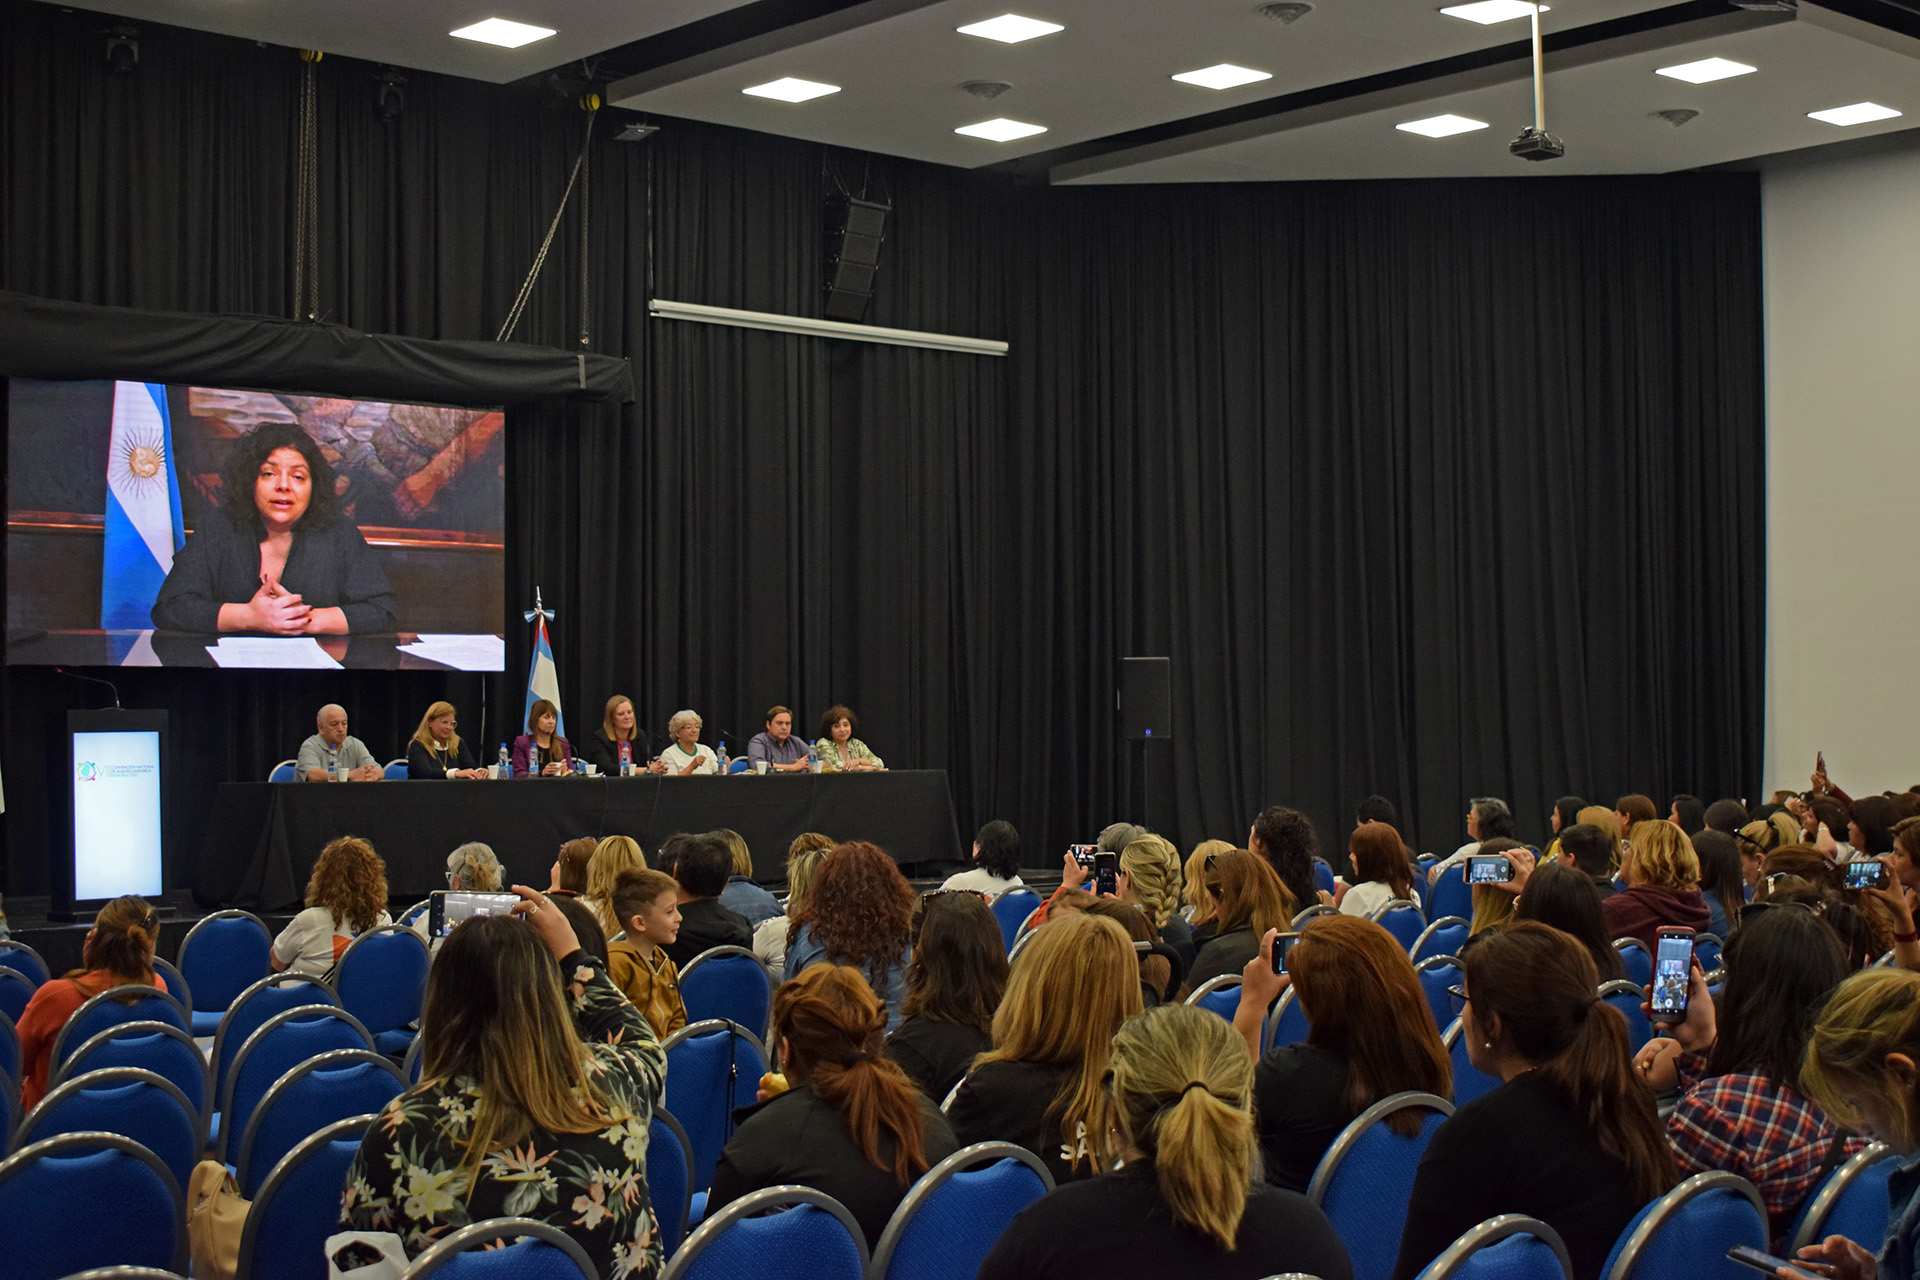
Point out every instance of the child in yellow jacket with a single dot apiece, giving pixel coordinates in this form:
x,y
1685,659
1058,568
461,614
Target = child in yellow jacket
x,y
647,905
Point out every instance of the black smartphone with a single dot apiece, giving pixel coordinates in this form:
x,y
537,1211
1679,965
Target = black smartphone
x,y
451,906
1106,873
1282,944
1748,1256
1672,970
1082,854
1866,873
1489,868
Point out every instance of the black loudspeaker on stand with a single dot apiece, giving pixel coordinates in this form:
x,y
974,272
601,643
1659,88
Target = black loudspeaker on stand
x,y
1145,705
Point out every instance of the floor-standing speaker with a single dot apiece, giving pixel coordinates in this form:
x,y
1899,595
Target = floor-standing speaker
x,y
1146,698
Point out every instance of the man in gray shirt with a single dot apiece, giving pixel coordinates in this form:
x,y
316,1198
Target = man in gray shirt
x,y
322,755
777,746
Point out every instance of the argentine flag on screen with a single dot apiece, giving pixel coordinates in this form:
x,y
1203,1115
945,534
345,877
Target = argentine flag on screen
x,y
143,507
543,681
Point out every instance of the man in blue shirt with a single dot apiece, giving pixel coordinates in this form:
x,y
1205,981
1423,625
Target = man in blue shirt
x,y
777,746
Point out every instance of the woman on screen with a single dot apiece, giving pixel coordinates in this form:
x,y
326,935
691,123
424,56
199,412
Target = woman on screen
x,y
279,556
436,751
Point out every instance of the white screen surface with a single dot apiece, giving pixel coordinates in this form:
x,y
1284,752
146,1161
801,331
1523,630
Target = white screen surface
x,y
116,814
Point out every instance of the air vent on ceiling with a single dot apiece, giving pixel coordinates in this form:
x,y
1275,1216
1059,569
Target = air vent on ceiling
x,y
986,88
1285,10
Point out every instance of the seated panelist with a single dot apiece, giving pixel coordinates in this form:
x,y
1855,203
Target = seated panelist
x,y
616,741
322,755
542,743
436,751
840,751
777,746
686,755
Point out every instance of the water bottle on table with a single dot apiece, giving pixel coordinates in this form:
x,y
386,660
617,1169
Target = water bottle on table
x,y
506,761
721,759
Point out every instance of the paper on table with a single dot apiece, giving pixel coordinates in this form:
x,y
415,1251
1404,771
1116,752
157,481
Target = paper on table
x,y
302,652
462,652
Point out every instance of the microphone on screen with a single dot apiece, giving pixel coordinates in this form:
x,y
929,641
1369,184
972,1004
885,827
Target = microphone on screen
x,y
74,675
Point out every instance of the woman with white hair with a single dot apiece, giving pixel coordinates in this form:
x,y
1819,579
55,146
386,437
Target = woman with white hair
x,y
686,754
473,868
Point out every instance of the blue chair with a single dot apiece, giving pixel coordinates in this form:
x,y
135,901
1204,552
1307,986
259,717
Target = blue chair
x,y
1627,998
1317,909
1509,1247
1852,1202
127,1273
1707,949
1636,960
24,960
323,1090
177,986
1219,995
1436,974
111,1008
1685,1234
15,990
1451,895
712,1067
221,956
283,772
410,1065
1286,1022
1444,937
396,770
956,1211
669,1178
416,913
381,979
729,983
1322,875
1011,909
1401,917
1469,1082
542,1253
741,765
813,1237
9,1111
275,993
9,1049
168,1052
133,1103
298,1206
145,1228
1364,1180
282,1043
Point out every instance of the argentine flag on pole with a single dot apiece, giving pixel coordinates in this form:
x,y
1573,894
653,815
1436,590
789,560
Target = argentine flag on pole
x,y
143,507
543,678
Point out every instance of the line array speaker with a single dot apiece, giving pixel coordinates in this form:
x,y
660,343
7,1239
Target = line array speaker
x,y
855,230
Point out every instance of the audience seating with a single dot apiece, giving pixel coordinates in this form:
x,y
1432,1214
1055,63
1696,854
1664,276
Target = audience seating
x,y
283,772
414,917
1402,918
729,983
1716,980
1636,958
83,1173
395,770
9,1048
323,1090
1450,895
953,1215
1627,998
127,1273
381,979
669,1178
1685,1234
547,1253
812,1238
1365,1178
1509,1247
24,960
1436,974
1469,1082
168,1052
712,1067
1011,909
1286,1022
133,1103
298,1205
1317,909
1322,875
221,956
282,1043
1707,948
15,990
1444,937
275,993
410,1065
9,1112
111,1008
1219,995
1852,1202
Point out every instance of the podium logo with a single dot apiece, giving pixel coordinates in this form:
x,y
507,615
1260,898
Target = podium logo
x,y
86,771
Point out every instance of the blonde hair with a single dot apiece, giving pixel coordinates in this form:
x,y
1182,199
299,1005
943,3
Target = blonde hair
x,y
425,737
1491,907
1183,1091
1196,875
742,856
1074,984
801,865
1659,853
1870,1015
1598,815
607,726
1153,865
610,857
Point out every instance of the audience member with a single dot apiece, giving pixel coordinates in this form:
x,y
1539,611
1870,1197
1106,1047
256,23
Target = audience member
x,y
776,744
437,751
1593,1153
1248,900
1188,1200
1116,836
117,952
569,874
322,756
586,926
610,857
1904,861
1369,1036
859,911
1150,878
1561,895
1726,815
616,742
1493,903
1488,818
533,1101
541,749
1689,813
954,983
647,904
849,1122
1285,840
1870,824
742,895
474,868
701,864
1723,881
1161,970
996,857
1199,908
346,896
1594,852
1375,809
1632,810
1598,815
1863,936
1041,1085
1663,885
804,857
685,755
1382,870
1566,811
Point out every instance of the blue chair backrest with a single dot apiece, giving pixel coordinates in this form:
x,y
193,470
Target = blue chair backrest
x,y
1450,894
15,990
141,1004
1707,950
1405,923
1853,1201
669,1178
1011,909
522,1260
283,1043
298,1205
320,1091
269,996
63,1174
9,1111
283,772
1218,995
1686,1233
729,983
382,977
1364,1180
1322,876
9,1048
168,1052
1436,974
712,1067
1628,998
1444,937
1519,1256
1469,1082
1287,1023
222,956
1636,960
128,1101
396,771
739,766
949,1220
24,960
816,1239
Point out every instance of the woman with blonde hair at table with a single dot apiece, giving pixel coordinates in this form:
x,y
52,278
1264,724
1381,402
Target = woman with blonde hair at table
x,y
436,751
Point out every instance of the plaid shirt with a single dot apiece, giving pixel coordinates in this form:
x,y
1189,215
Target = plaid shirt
x,y
1767,1133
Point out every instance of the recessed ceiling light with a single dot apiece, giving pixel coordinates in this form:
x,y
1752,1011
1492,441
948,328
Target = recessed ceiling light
x,y
1001,129
1010,28
789,89
1488,12
1442,126
1858,113
508,35
1224,76
1707,70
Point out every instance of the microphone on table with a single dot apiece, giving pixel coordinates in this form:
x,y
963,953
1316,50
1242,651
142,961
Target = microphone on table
x,y
73,675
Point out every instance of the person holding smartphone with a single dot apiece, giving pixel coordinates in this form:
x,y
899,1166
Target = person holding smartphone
x,y
1663,885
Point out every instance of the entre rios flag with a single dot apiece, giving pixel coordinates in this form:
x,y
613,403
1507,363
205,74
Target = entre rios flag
x,y
143,527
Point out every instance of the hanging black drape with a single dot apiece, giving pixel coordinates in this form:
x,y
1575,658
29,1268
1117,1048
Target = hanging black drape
x,y
1434,489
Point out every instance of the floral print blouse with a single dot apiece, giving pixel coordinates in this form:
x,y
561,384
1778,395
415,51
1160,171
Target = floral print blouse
x,y
856,750
408,1177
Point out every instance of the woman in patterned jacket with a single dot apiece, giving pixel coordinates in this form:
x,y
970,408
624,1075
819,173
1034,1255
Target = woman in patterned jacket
x,y
534,1100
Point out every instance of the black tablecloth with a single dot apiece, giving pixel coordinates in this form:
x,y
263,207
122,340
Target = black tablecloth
x,y
263,837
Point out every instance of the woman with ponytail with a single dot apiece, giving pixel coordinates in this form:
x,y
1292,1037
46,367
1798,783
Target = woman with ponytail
x,y
1188,1199
847,1120
1571,1136
118,952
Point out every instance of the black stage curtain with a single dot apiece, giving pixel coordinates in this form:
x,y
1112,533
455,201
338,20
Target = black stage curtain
x,y
1434,489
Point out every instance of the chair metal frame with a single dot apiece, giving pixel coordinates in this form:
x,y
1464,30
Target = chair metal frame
x,y
1329,1165
1219,982
1317,909
1440,962
340,965
1620,987
1491,1232
14,944
414,1061
492,1229
282,1170
296,1013
253,989
386,770
177,986
289,763
62,1073
784,1196
127,1273
1270,1025
1671,1204
14,975
1443,922
1456,1031
666,1117
722,952
92,1139
711,1026
109,1078
13,1035
980,1153
330,1060
1622,945
1829,1192
230,914
116,994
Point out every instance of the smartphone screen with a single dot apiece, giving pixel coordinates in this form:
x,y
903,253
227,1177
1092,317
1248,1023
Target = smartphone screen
x,y
1672,966
451,906
1748,1256
1282,944
1489,868
1866,874
1083,854
1106,873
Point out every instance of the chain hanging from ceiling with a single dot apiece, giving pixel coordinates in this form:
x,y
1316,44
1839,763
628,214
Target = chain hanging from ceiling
x,y
306,200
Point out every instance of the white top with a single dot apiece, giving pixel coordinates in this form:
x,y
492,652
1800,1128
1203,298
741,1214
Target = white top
x,y
312,941
1456,858
981,879
675,759
770,942
1366,898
